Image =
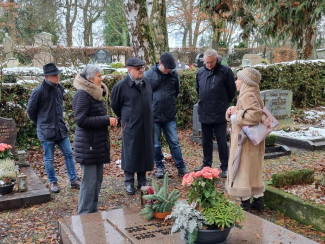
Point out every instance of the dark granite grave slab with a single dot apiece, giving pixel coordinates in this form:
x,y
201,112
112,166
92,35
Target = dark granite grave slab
x,y
37,193
277,151
126,226
311,145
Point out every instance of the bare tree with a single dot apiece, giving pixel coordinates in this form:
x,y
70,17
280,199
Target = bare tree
x,y
70,14
141,39
91,11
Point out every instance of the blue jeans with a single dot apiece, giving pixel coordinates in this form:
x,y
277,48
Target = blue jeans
x,y
170,132
65,147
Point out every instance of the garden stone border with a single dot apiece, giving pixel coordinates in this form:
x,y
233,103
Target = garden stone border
x,y
276,151
296,208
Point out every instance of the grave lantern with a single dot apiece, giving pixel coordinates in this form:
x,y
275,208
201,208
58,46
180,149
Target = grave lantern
x,y
22,182
21,157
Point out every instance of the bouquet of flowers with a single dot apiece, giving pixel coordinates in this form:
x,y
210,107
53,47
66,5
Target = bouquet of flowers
x,y
5,151
206,207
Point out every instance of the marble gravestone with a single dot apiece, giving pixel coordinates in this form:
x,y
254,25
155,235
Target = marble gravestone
x,y
8,46
8,131
279,103
43,40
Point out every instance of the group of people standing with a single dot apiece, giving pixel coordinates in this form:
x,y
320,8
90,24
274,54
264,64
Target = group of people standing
x,y
145,106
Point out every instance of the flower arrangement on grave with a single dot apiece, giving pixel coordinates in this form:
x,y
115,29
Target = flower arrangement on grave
x,y
205,208
7,172
158,200
5,151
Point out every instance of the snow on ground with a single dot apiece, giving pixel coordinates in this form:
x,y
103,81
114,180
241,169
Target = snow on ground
x,y
311,133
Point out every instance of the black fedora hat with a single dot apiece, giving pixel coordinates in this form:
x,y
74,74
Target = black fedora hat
x,y
51,69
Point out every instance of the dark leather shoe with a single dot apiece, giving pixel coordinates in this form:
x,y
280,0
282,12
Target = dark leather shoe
x,y
224,173
199,168
160,173
246,205
140,185
130,189
182,172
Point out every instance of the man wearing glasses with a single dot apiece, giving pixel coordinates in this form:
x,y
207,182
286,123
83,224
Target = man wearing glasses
x,y
131,101
216,87
165,86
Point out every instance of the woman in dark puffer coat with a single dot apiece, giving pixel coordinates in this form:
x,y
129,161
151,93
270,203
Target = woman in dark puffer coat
x,y
91,136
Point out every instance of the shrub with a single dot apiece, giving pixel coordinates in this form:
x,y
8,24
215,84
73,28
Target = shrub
x,y
116,65
296,177
7,171
322,180
270,140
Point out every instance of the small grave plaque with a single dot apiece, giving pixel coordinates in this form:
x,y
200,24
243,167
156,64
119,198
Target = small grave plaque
x,y
278,102
8,131
102,56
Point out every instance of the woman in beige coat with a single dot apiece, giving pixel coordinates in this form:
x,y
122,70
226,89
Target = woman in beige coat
x,y
248,182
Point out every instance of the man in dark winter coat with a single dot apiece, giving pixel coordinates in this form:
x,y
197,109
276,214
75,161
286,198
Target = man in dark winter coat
x,y
216,87
131,100
165,87
45,109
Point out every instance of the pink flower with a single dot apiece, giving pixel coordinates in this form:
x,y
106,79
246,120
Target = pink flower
x,y
184,179
189,180
198,174
207,175
2,149
206,170
215,173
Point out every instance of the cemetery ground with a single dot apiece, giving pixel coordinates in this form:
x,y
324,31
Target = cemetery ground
x,y
39,223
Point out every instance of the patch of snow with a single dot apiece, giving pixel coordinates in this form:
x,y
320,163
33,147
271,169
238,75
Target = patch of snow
x,y
314,114
291,63
311,133
20,82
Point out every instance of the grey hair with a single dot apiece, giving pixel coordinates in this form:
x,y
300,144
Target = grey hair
x,y
210,52
90,70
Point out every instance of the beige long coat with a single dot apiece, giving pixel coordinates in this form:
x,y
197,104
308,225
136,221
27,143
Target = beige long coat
x,y
248,181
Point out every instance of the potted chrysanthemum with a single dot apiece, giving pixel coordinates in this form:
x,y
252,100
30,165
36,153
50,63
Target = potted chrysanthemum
x,y
207,216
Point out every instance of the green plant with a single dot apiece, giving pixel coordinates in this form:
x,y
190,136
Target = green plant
x,y
322,180
158,200
296,177
270,140
116,65
187,219
5,151
7,171
208,207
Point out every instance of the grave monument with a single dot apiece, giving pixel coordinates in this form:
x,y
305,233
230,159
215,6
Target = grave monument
x,y
43,40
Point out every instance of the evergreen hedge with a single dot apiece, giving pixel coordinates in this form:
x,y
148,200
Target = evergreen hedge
x,y
306,80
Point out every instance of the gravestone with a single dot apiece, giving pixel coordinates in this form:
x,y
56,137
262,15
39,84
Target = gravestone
x,y
180,65
320,53
246,62
43,40
199,61
8,131
102,57
8,47
279,103
254,58
196,122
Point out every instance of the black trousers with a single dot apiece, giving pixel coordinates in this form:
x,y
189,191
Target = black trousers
x,y
129,178
220,132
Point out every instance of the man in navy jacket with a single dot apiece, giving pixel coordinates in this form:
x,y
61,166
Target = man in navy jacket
x,y
165,87
45,109
216,87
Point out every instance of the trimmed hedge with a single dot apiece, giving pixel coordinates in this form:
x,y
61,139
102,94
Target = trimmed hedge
x,y
296,177
306,80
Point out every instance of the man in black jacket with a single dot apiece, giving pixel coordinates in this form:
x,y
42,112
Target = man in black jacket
x,y
216,87
131,101
165,87
45,109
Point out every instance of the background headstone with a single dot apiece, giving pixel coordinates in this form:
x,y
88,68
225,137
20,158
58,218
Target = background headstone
x,y
102,57
8,131
43,40
254,58
196,122
199,62
279,103
246,62
8,46
180,65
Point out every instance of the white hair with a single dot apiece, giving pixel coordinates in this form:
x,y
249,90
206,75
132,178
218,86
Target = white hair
x,y
90,70
210,52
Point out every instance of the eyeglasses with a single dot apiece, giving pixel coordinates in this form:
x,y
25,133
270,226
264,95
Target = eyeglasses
x,y
138,68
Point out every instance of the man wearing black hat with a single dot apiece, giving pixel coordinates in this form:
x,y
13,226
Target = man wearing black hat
x,y
45,109
165,87
131,101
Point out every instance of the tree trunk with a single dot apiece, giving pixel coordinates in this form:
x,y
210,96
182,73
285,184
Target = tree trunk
x,y
69,24
141,39
158,26
184,43
307,52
